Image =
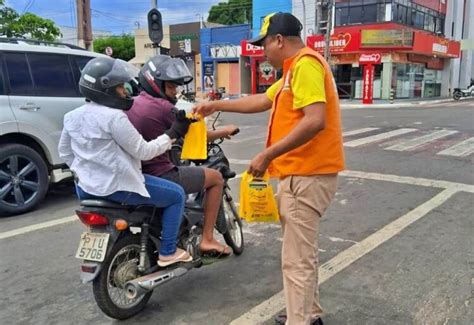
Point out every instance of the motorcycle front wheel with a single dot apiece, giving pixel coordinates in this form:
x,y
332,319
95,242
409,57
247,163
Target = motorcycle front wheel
x,y
119,267
233,236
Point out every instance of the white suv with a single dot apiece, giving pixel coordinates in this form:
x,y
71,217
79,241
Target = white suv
x,y
38,85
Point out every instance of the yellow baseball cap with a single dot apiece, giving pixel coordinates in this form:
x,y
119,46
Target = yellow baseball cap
x,y
282,23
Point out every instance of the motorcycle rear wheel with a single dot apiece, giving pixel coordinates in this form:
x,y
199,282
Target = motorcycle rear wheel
x,y
457,95
120,266
234,236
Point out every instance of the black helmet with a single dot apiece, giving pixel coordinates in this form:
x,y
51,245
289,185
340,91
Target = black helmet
x,y
159,69
101,76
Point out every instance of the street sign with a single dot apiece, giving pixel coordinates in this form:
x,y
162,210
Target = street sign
x,y
109,51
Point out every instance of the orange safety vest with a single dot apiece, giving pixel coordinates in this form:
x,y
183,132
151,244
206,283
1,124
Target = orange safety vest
x,y
324,153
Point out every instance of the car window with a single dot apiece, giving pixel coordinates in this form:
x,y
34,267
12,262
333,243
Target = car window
x,y
2,78
18,74
79,62
52,75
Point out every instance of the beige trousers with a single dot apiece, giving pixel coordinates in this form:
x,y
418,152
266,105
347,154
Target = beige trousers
x,y
302,200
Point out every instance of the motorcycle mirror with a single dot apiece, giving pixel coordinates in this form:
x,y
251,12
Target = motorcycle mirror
x,y
215,121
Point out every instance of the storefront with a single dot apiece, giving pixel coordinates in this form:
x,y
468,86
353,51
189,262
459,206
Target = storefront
x,y
262,74
220,53
410,65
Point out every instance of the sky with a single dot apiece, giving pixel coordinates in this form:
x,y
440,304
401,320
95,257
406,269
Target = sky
x,y
116,16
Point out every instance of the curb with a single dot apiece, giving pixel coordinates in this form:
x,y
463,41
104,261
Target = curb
x,y
396,104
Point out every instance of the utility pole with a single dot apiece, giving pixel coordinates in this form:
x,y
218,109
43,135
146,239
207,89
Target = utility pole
x,y
327,52
84,24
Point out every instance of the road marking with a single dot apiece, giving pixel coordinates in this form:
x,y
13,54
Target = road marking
x,y
270,307
38,226
417,181
462,149
409,180
358,131
347,173
377,137
420,141
240,140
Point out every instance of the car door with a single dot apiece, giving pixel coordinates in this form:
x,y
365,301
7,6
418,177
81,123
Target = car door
x,y
43,89
7,119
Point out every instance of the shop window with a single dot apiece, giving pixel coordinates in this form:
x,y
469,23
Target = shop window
x,y
419,20
407,80
355,15
370,14
342,16
429,23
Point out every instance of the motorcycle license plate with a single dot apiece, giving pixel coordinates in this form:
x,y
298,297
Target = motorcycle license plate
x,y
92,246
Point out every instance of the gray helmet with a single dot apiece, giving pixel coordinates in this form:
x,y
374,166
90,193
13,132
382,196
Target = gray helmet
x,y
159,69
101,76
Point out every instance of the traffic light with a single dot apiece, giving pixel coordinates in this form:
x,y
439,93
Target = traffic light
x,y
155,26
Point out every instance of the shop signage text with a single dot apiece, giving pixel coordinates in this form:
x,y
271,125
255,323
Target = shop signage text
x,y
436,46
372,58
182,37
151,45
340,43
250,50
368,85
387,37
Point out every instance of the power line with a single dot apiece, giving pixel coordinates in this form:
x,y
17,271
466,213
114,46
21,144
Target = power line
x,y
28,5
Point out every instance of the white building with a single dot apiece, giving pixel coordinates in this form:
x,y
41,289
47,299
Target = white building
x,y
70,34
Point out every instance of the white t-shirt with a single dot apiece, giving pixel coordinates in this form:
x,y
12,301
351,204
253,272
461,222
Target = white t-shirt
x,y
104,150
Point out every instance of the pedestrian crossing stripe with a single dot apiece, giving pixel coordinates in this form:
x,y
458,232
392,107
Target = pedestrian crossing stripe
x,y
378,137
421,141
462,149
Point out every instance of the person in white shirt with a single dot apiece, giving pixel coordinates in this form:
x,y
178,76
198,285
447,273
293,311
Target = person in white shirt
x,y
104,150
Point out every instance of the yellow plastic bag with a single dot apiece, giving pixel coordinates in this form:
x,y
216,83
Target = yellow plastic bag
x,y
257,202
195,140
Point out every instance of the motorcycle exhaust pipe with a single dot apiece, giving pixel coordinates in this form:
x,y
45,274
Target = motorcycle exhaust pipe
x,y
140,286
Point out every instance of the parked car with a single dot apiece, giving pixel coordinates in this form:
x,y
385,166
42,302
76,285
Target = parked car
x,y
38,85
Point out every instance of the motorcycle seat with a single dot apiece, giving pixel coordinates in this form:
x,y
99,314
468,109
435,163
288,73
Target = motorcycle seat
x,y
106,204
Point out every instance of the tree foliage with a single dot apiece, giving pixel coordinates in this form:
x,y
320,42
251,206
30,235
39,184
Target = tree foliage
x,y
123,46
27,25
232,12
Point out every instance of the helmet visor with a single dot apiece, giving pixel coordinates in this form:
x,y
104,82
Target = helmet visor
x,y
121,72
175,70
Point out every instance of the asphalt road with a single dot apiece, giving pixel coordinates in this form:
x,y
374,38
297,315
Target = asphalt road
x,y
396,246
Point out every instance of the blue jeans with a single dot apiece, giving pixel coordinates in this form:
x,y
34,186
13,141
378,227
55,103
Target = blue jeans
x,y
164,194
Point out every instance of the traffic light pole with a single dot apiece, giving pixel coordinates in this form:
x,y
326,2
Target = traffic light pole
x,y
154,3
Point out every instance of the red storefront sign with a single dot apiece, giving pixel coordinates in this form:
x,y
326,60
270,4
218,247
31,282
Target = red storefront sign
x,y
367,89
370,58
433,45
248,49
339,43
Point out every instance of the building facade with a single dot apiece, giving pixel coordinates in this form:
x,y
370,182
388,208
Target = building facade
x,y
459,72
407,36
221,66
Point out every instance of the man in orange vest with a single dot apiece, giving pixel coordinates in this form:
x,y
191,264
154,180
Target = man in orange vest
x,y
304,150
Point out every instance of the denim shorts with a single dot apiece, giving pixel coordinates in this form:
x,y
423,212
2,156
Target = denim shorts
x,y
189,177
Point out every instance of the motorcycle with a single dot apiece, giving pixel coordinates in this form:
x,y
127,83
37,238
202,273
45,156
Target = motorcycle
x,y
459,93
216,95
187,96
120,250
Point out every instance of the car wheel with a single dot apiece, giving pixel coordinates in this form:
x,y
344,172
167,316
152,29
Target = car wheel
x,y
23,179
